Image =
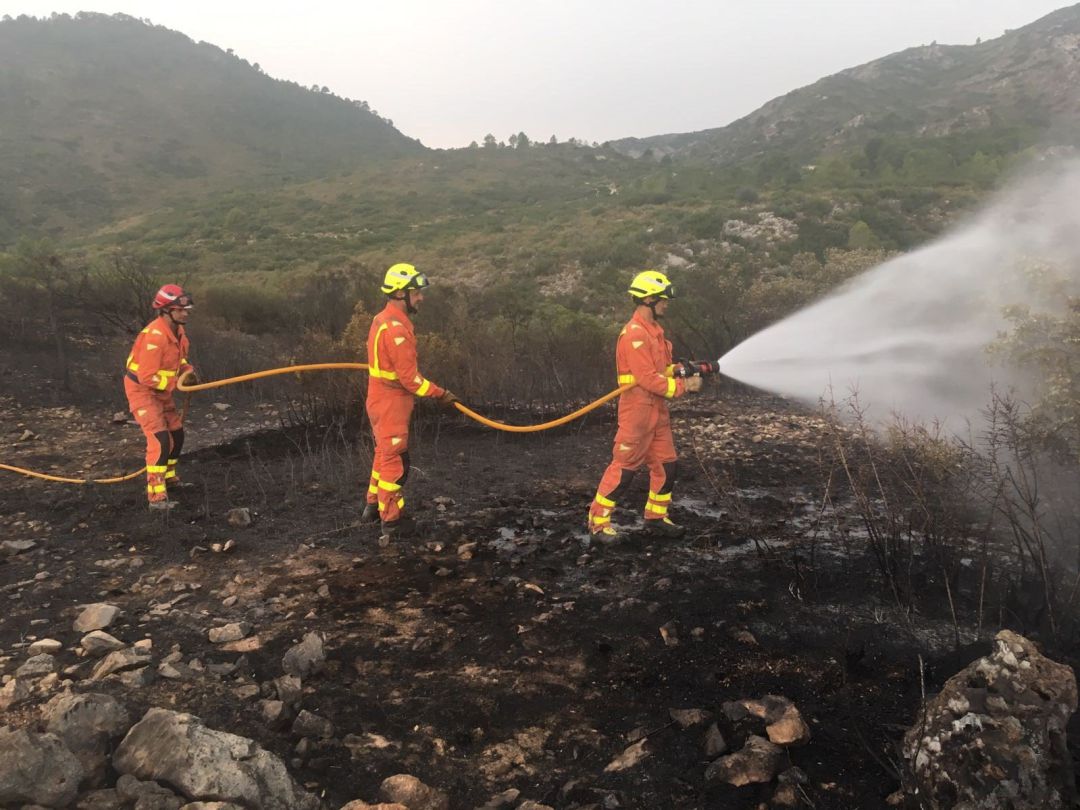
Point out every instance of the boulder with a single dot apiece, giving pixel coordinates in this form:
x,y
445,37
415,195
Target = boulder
x,y
411,792
13,693
995,734
309,724
88,724
96,617
305,658
98,643
757,761
37,769
120,661
37,667
206,764
234,631
45,645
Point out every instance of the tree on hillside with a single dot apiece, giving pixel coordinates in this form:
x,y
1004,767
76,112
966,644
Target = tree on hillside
x,y
523,141
489,141
862,237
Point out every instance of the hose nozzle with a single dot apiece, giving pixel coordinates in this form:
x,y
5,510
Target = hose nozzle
x,y
696,368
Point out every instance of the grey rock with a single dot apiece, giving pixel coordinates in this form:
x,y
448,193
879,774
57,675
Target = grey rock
x,y
211,806
273,712
308,724
13,693
37,667
128,658
995,734
104,799
96,617
9,548
206,764
137,678
715,744
37,769
234,631
305,658
148,795
411,792
98,643
289,688
688,718
757,761
49,646
630,757
239,517
501,801
88,723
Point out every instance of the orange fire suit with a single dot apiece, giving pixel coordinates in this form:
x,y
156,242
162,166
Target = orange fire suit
x,y
158,357
394,381
642,356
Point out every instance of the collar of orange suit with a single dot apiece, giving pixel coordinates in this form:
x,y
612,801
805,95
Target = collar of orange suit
x,y
653,328
162,322
397,314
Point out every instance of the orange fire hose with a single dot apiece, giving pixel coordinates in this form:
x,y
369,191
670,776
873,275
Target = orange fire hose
x,y
189,389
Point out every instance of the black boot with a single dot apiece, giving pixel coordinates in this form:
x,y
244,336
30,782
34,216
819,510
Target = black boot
x,y
370,514
664,528
396,529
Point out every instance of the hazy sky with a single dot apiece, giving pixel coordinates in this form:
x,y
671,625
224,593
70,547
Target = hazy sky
x,y
450,71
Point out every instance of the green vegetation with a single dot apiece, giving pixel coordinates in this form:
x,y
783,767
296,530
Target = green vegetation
x,y
144,157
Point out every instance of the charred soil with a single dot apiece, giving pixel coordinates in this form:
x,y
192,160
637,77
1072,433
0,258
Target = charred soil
x,y
498,647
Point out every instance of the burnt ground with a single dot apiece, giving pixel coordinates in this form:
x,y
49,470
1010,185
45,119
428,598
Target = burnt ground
x,y
499,648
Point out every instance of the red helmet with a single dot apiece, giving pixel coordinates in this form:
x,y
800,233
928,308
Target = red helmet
x,y
172,296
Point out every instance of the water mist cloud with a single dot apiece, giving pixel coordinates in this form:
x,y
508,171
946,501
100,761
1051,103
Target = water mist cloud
x,y
911,334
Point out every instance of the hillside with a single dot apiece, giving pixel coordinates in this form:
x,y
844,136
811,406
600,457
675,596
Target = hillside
x,y
1006,93
100,115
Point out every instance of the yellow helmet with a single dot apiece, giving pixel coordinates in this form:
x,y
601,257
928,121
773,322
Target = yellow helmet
x,y
651,282
403,277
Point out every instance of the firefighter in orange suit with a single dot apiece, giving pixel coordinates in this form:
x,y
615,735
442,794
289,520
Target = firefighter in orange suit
x,y
394,381
643,357
157,359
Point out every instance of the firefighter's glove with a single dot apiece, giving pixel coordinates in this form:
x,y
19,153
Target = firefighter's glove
x,y
448,398
192,378
693,384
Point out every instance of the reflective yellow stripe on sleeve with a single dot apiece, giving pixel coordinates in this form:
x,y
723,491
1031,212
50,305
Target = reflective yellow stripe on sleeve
x,y
671,386
627,379
669,370
425,386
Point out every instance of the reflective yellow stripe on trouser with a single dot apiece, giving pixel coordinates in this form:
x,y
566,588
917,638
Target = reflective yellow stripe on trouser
x,y
600,511
391,501
155,480
373,485
170,472
657,505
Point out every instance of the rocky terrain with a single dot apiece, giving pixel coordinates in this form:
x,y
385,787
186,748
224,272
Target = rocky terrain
x,y
257,648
